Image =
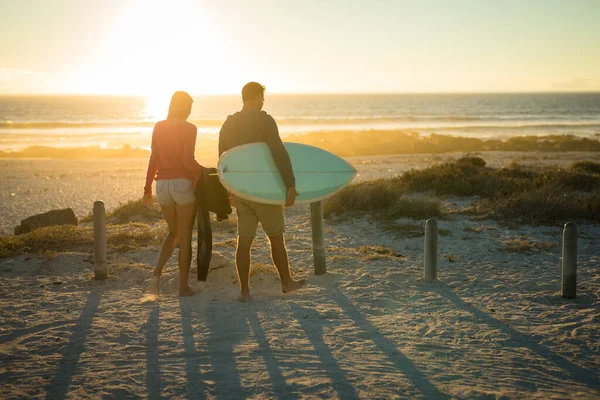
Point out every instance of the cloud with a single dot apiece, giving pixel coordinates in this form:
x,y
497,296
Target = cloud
x,y
7,74
573,83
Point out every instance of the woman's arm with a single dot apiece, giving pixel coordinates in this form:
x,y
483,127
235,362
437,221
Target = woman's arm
x,y
152,167
189,161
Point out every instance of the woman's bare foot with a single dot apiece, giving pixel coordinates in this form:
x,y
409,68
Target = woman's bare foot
x,y
154,285
244,297
186,291
293,285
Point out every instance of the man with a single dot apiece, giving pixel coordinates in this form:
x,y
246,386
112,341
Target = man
x,y
251,125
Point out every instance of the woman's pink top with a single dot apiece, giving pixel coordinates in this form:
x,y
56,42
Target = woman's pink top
x,y
172,155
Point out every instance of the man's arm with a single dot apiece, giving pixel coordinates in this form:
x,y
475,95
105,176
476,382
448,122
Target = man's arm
x,y
280,154
223,146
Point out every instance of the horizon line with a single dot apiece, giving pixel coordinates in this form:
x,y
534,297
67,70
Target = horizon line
x,y
590,91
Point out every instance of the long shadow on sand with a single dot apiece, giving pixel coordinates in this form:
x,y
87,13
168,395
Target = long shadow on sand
x,y
224,332
589,378
403,363
280,388
196,388
58,386
153,379
314,332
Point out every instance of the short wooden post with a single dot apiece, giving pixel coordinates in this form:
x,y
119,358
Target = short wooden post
x,y
430,257
99,240
569,261
316,221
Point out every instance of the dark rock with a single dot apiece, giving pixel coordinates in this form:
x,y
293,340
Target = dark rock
x,y
50,218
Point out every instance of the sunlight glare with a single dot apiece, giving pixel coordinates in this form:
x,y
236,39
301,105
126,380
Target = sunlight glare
x,y
157,48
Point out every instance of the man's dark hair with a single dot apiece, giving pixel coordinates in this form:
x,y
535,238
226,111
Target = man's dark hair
x,y
252,90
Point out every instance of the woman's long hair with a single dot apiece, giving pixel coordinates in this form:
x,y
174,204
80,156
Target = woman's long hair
x,y
181,106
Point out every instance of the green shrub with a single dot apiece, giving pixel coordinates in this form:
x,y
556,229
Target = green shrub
x,y
382,197
534,195
547,205
586,166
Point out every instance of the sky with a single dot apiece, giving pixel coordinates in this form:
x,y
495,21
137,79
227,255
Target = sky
x,y
148,47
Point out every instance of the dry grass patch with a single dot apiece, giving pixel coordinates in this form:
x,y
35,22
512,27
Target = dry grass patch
x,y
405,230
51,240
525,243
452,257
132,211
48,239
228,225
478,229
226,243
133,236
379,252
136,211
263,268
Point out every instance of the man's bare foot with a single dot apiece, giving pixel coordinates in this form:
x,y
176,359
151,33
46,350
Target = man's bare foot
x,y
244,297
293,285
154,285
187,291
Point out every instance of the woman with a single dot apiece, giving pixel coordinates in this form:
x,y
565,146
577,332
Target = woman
x,y
176,171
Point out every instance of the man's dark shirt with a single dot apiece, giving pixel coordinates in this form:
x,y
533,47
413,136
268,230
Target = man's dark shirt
x,y
249,126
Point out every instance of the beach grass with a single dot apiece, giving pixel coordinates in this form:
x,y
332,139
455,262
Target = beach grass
x,y
378,252
525,243
545,195
383,198
131,211
68,238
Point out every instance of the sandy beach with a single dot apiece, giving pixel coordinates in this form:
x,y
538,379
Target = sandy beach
x,y
493,327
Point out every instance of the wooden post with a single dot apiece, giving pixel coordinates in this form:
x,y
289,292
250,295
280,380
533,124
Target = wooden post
x,y
430,257
569,261
99,240
316,221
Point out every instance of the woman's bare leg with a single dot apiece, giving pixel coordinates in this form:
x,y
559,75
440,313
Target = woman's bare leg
x,y
168,245
186,215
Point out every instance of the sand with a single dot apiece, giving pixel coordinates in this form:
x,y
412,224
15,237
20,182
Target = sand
x,y
494,325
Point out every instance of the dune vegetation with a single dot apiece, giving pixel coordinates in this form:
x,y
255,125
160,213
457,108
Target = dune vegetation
x,y
344,143
70,238
545,195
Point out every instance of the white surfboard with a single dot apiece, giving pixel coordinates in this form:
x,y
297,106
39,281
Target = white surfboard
x,y
249,172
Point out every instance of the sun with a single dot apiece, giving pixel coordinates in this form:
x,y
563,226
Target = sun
x,y
156,48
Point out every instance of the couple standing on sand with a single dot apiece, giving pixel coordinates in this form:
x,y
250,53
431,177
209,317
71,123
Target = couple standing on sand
x,y
173,165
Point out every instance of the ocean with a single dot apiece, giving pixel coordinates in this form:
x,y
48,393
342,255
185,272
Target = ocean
x,y
111,121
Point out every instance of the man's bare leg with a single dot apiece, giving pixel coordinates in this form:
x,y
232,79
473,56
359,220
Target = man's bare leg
x,y
280,259
242,263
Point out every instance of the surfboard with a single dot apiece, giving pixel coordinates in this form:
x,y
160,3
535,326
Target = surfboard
x,y
248,171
